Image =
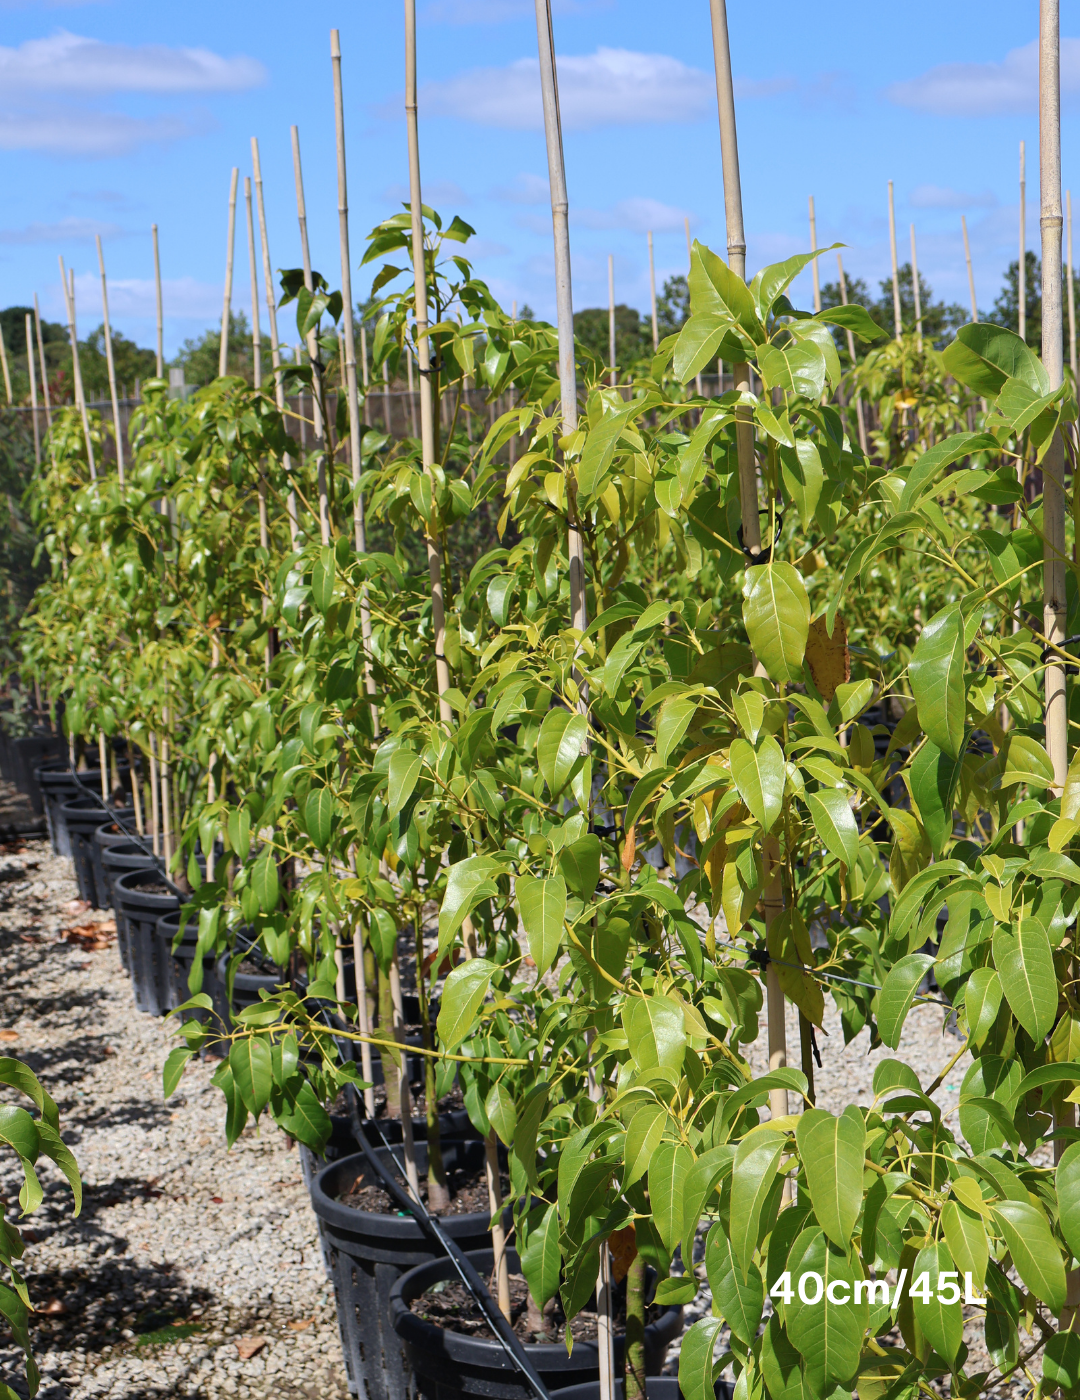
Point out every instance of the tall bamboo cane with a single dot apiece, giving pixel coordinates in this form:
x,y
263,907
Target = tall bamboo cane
x,y
33,389
897,321
4,365
80,397
1069,284
111,365
1021,267
160,352
736,247
652,296
970,273
736,241
44,366
312,348
256,326
860,416
915,289
226,313
611,319
271,311
814,263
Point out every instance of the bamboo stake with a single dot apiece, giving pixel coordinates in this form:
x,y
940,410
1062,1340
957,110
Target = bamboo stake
x,y
1069,283
736,246
136,795
4,363
915,288
652,296
611,319
226,314
860,416
814,263
103,765
736,240
971,275
111,366
423,355
364,1018
363,357
412,392
312,347
80,397
256,326
359,531
897,321
155,801
44,367
271,311
690,267
33,393
160,353
1021,266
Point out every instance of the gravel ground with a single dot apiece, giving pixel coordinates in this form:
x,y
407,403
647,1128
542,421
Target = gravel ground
x,y
192,1271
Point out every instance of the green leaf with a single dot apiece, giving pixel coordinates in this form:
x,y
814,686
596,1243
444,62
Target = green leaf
x,y
541,1261
943,454
852,317
401,779
319,816
834,822
804,477
542,903
696,1373
936,671
780,1366
739,1298
1026,968
306,1119
600,445
831,1150
655,1029
467,883
644,789
942,1323
982,1000
239,829
463,994
983,356
827,1335
776,614
670,1166
672,723
559,746
987,1123
173,1072
265,881
249,1060
1061,1363
580,865
965,1235
1067,1181
898,992
934,779
1036,1256
760,775
500,1111
322,579
753,1175
383,933
642,1139
21,1077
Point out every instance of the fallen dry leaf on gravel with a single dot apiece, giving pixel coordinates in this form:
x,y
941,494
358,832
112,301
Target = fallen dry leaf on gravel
x,y
299,1324
249,1347
9,1035
75,906
92,938
53,1308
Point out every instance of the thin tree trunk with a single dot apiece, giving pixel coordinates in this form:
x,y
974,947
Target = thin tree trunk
x,y
160,352
4,365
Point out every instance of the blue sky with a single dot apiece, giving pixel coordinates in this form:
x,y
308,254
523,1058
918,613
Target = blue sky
x,y
116,115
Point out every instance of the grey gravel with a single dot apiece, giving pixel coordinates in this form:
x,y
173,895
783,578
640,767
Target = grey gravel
x,y
174,1229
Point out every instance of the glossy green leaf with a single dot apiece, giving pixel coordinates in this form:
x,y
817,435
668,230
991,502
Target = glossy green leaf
x,y
739,1298
249,1060
642,1139
672,723
831,1150
965,1234
402,777
541,1261
463,995
1026,968
982,1000
1067,1182
319,816
828,1335
306,1119
753,1175
898,992
559,746
760,774
542,903
1035,1254
776,614
934,780
835,823
322,579
780,1363
265,881
696,1370
668,1170
1061,1363
656,1031
936,671
942,1323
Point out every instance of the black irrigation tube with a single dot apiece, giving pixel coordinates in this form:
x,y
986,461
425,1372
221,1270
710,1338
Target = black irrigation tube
x,y
504,1333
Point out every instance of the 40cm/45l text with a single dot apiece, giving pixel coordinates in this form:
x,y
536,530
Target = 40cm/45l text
x,y
812,1288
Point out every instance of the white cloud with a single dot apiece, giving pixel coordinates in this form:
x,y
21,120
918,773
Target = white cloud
x,y
749,88
72,131
438,194
945,197
986,89
184,298
67,62
611,87
638,214
524,189
68,230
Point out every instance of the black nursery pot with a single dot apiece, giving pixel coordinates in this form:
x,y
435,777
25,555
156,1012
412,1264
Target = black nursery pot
x,y
58,786
26,756
83,816
450,1366
109,834
368,1254
246,985
180,960
142,905
116,861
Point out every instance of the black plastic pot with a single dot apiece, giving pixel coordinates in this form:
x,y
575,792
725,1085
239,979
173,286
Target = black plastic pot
x,y
58,786
26,756
117,861
109,834
369,1253
247,985
449,1366
83,816
656,1388
180,959
150,966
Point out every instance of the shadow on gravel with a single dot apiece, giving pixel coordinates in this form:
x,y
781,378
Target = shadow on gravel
x,y
65,1066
